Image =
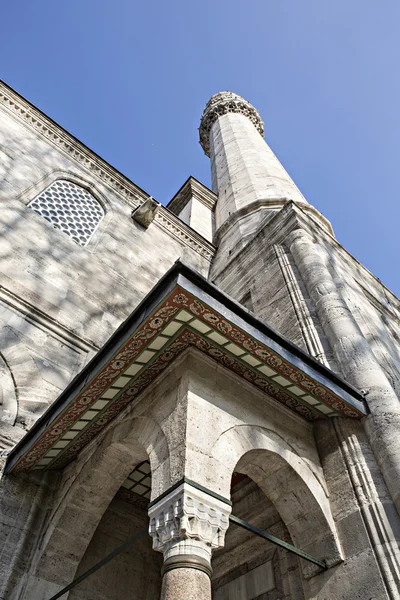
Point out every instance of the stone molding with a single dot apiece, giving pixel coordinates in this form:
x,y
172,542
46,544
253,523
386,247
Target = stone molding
x,y
8,394
192,189
132,498
270,204
185,234
310,333
222,104
391,312
75,150
188,521
37,316
186,562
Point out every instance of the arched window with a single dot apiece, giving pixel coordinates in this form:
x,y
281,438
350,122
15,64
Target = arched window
x,y
71,208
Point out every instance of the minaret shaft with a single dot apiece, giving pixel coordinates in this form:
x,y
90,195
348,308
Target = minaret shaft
x,y
250,181
244,169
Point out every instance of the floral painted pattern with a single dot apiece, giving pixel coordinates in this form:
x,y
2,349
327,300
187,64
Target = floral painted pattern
x,y
178,299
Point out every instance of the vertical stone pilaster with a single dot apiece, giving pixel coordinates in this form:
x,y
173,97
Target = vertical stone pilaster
x,y
186,525
354,356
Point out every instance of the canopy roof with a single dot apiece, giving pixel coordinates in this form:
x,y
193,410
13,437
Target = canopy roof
x,y
182,310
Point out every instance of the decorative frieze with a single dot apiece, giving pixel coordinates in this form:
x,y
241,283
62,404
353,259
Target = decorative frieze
x,y
179,230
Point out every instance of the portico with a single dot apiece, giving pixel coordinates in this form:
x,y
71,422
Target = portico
x,y
198,389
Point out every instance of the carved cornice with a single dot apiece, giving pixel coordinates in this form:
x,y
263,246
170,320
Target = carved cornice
x,y
187,513
177,229
222,104
273,204
75,150
391,312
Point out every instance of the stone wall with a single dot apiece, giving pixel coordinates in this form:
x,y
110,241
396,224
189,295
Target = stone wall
x,y
25,504
266,269
330,488
135,573
193,422
59,302
320,297
248,567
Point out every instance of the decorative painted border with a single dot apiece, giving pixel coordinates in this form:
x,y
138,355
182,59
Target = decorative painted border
x,y
155,324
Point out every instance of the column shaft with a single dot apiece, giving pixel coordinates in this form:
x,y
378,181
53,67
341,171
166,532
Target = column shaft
x,y
354,356
186,584
186,525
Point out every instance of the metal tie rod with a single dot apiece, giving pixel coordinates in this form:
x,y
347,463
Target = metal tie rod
x,y
101,563
277,541
142,532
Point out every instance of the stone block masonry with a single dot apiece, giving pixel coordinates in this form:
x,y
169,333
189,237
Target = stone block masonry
x,y
198,397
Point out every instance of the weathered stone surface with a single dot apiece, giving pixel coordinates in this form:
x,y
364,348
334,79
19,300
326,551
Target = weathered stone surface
x,y
59,302
354,355
186,584
195,205
134,573
329,488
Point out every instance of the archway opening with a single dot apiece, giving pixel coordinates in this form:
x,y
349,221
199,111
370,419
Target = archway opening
x,y
292,480
249,567
137,568
103,501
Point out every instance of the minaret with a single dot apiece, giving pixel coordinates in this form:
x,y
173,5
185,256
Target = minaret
x,y
248,178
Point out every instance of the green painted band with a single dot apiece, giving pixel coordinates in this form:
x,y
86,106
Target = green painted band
x,y
197,486
187,561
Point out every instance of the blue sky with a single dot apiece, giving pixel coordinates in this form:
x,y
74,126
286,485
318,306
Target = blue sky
x,y
131,80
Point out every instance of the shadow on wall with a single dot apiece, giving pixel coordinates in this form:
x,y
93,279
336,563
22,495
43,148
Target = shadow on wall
x,y
78,529
59,301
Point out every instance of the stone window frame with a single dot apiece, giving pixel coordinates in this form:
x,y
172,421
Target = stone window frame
x,y
87,183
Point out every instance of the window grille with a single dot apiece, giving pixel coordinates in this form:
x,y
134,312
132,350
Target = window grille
x,y
70,208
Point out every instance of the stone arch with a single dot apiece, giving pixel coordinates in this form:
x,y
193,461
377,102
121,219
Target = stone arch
x,y
288,481
83,180
87,182
19,371
86,490
8,396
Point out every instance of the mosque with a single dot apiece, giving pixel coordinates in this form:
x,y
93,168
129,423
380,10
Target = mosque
x,y
198,401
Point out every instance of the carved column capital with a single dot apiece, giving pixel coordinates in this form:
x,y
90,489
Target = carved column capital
x,y
187,525
221,104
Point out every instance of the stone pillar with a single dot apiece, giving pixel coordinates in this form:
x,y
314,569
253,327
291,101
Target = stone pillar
x,y
186,525
185,583
353,354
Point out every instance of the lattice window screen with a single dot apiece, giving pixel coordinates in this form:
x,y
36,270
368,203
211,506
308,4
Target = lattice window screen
x,y
70,208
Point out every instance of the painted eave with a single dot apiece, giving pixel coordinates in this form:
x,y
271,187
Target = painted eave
x,y
224,313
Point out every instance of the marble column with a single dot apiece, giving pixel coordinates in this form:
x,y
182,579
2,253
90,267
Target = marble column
x,y
186,525
353,354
